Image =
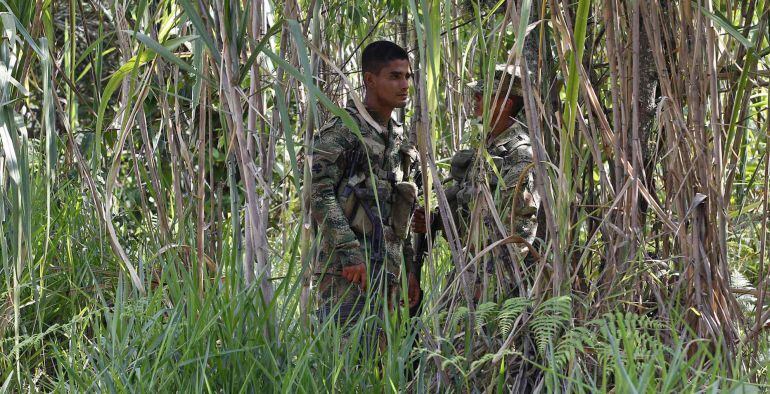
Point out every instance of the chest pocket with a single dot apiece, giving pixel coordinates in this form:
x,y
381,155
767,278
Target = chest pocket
x,y
460,164
388,161
356,194
376,149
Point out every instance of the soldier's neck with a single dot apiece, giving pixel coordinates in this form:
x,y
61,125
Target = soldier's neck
x,y
380,113
500,127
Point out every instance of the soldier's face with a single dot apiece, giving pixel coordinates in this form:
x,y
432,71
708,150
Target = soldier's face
x,y
390,86
498,111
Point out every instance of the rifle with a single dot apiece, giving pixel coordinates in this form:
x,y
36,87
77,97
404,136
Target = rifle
x,y
378,256
363,195
420,252
421,244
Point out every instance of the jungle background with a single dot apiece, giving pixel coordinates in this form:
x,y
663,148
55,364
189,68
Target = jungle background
x,y
154,223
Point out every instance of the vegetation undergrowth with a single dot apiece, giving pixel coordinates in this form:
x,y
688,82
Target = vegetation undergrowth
x,y
154,174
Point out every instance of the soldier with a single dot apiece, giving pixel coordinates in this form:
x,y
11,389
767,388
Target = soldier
x,y
509,146
362,202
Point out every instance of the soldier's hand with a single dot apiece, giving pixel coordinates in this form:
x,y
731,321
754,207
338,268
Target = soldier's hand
x,y
418,221
413,290
355,274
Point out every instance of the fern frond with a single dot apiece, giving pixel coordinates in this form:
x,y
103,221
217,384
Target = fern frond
x,y
460,314
635,335
574,340
484,312
455,361
511,310
483,360
550,318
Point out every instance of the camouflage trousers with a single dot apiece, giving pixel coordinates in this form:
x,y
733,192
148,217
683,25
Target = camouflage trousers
x,y
346,303
493,277
500,271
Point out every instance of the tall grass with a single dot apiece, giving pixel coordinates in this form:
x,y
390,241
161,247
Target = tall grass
x,y
154,167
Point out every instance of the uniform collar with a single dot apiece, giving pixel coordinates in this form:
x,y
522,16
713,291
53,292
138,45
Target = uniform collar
x,y
501,138
392,122
506,136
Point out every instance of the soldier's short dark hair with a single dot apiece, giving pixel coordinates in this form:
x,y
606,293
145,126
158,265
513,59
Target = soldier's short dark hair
x,y
379,53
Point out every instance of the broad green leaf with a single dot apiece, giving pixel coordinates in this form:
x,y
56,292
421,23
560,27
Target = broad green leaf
x,y
9,149
328,103
19,27
258,49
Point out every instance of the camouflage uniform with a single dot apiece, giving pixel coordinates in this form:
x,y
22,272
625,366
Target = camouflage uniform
x,y
343,202
511,152
517,201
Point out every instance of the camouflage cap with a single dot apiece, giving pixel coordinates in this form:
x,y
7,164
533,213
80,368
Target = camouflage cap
x,y
503,75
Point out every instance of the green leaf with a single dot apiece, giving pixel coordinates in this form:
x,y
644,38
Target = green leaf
x,y
165,50
258,49
20,28
200,27
521,32
114,83
328,103
9,147
720,20
135,62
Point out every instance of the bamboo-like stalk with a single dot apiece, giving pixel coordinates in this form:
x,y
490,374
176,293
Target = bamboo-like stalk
x,y
312,123
201,181
51,140
429,169
13,150
255,206
267,155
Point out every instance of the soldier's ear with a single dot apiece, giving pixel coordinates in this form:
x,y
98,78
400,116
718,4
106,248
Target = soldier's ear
x,y
368,79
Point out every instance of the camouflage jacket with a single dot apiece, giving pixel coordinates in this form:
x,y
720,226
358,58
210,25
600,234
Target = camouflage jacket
x,y
517,201
342,192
